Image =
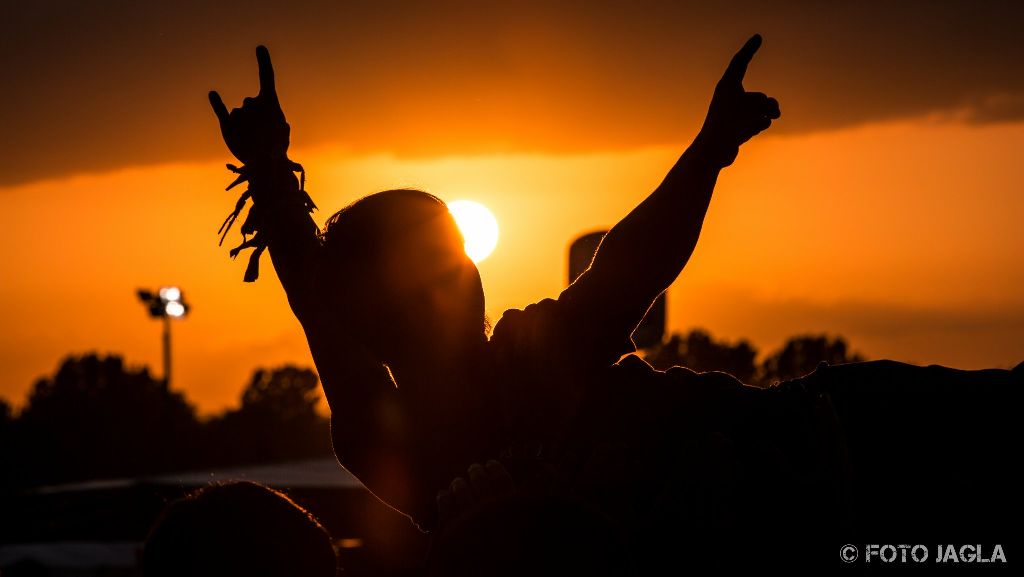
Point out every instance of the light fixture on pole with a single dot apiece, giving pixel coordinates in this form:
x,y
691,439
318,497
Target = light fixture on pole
x,y
166,303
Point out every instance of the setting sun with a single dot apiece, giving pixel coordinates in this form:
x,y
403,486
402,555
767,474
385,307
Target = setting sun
x,y
478,226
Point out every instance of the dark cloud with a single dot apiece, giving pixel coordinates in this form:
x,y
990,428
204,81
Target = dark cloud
x,y
1000,107
99,85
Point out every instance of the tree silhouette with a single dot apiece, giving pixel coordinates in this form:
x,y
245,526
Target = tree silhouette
x,y
7,445
698,351
277,420
285,394
801,355
97,418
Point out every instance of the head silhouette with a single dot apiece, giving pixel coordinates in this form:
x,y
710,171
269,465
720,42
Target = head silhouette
x,y
237,528
395,272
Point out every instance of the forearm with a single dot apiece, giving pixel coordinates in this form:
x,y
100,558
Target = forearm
x,y
370,425
291,235
644,253
369,420
358,387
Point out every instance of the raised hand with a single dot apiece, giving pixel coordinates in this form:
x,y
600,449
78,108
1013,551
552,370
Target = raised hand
x,y
258,135
736,115
257,131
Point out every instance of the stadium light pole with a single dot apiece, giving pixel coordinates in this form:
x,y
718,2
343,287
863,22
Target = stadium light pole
x,y
166,304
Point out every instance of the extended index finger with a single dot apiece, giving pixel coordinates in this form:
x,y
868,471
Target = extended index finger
x,y
267,87
738,65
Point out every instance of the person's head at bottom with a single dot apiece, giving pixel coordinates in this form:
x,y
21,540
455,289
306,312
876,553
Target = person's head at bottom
x,y
238,528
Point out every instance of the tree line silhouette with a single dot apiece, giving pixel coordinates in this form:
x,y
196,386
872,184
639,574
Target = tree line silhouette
x,y
97,418
699,351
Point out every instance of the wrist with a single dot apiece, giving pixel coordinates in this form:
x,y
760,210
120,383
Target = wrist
x,y
272,179
268,164
713,151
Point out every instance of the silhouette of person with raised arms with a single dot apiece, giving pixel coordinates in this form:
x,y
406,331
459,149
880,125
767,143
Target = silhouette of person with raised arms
x,y
388,283
393,311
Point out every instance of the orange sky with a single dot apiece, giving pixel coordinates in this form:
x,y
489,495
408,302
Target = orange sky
x,y
882,206
902,236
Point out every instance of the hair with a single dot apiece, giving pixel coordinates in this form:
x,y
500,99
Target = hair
x,y
356,235
349,279
238,528
355,240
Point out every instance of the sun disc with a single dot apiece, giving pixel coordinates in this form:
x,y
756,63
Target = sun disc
x,y
478,226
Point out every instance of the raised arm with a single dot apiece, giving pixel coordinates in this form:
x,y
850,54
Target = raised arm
x,y
644,253
370,423
258,135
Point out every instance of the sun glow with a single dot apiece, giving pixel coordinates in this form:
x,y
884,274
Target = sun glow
x,y
478,226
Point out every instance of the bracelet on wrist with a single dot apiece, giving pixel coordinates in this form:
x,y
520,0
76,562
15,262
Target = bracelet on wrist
x,y
272,182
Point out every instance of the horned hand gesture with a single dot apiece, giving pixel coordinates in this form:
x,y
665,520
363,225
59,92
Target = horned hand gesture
x,y
736,115
257,131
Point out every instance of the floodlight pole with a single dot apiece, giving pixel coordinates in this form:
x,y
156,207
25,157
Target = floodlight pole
x,y
167,352
165,303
